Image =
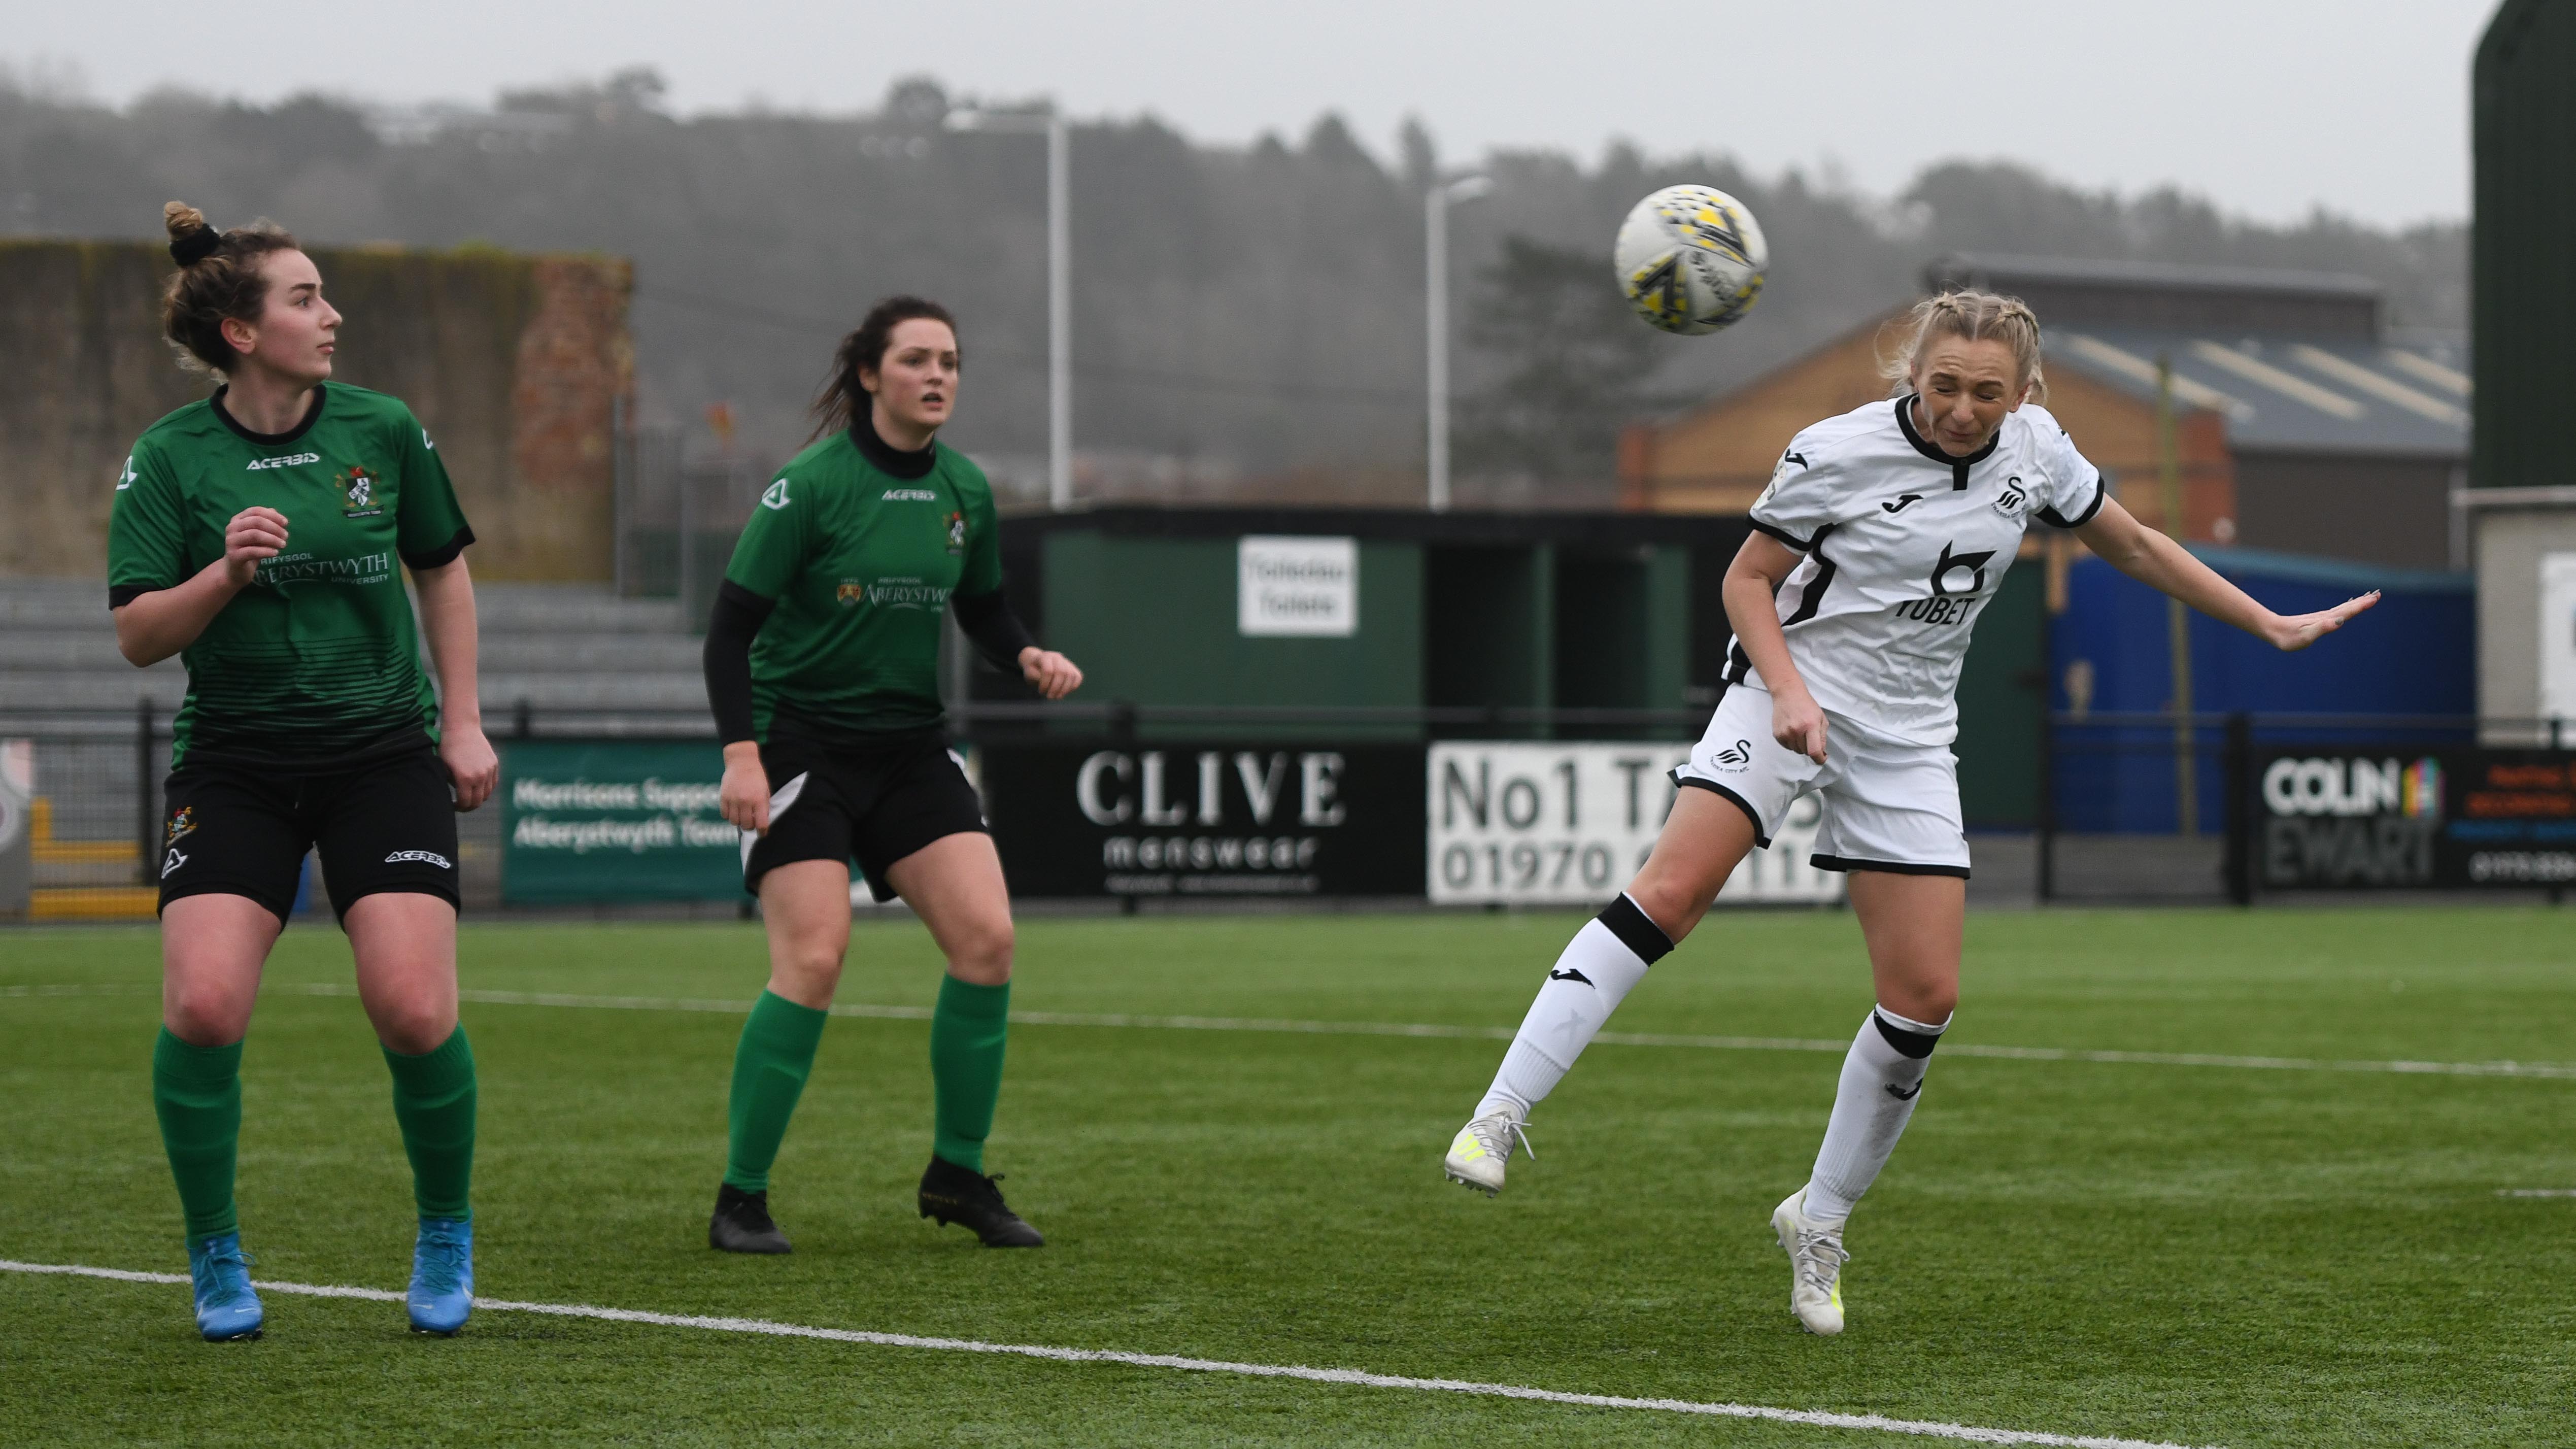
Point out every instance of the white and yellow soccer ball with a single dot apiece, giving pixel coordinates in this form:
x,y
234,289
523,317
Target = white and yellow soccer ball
x,y
1690,259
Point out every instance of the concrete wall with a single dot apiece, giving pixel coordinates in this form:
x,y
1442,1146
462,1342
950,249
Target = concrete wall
x,y
514,362
2510,544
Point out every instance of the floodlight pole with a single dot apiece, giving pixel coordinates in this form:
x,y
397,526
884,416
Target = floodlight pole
x,y
1435,243
1059,151
1059,315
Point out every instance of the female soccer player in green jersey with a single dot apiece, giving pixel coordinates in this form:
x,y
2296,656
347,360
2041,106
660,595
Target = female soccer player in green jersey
x,y
255,534
822,667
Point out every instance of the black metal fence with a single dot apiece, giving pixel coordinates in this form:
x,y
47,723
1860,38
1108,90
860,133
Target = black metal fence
x,y
2133,808
2154,807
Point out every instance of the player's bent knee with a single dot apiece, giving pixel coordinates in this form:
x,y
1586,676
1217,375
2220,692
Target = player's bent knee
x,y
1671,899
984,956
1929,1004
207,1018
416,1033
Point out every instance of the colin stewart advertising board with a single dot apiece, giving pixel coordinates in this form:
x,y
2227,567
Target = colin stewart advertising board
x,y
2360,819
1158,819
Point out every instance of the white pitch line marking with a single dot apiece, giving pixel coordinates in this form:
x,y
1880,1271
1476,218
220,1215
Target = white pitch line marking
x,y
2548,1071
1355,1378
2536,1192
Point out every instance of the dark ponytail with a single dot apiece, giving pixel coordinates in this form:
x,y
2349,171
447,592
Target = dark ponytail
x,y
839,404
219,276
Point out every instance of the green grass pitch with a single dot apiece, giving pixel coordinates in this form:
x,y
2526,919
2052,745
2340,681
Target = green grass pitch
x,y
2203,1254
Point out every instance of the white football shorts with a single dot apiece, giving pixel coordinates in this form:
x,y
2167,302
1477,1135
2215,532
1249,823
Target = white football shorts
x,y
1887,805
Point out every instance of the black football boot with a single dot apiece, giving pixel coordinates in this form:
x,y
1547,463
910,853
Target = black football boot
x,y
742,1225
954,1194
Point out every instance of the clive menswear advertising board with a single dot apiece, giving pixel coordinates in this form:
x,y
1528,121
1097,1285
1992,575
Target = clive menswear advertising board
x,y
1161,819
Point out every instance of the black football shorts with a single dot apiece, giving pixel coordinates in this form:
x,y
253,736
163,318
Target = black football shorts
x,y
243,830
874,804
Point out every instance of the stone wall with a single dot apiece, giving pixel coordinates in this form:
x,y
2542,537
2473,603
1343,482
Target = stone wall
x,y
516,363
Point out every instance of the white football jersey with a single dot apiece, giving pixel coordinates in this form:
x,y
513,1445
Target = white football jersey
x,y
1904,544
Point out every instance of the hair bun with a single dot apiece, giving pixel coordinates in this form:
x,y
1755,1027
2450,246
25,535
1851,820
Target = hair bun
x,y
191,239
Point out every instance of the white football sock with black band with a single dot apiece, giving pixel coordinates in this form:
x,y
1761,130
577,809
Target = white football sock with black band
x,y
1607,957
1882,1076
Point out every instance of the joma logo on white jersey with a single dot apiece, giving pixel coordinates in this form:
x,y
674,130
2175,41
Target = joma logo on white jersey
x,y
292,460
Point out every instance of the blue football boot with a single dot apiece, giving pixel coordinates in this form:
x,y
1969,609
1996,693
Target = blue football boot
x,y
442,1275
219,1271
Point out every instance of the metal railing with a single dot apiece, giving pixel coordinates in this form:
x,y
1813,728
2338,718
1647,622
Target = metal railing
x,y
2153,806
2138,807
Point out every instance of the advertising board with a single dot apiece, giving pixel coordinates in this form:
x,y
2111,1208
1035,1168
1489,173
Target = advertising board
x,y
1288,587
615,820
2352,818
1569,824
1088,819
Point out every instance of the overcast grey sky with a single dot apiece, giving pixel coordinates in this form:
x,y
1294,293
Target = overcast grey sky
x,y
2267,106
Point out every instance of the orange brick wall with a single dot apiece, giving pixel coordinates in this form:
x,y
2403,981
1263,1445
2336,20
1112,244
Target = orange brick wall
x,y
1717,458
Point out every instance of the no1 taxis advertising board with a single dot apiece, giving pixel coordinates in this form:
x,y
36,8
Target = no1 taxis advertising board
x,y
1206,820
1569,824
615,820
2361,819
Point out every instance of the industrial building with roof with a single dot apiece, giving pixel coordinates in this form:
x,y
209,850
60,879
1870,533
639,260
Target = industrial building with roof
x,y
2303,424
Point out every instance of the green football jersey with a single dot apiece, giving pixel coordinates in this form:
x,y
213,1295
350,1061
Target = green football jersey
x,y
318,661
862,562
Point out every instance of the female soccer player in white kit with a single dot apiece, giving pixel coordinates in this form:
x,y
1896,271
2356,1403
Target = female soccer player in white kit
x,y
1881,536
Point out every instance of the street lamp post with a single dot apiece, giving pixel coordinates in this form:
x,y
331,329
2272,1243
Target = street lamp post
x,y
1435,242
1051,123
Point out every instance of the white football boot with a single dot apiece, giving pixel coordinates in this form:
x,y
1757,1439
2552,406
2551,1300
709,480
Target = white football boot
x,y
1483,1148
1816,1259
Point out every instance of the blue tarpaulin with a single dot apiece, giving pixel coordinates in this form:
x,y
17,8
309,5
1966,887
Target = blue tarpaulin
x,y
2414,654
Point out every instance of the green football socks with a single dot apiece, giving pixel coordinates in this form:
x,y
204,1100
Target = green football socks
x,y
967,1034
434,1104
769,1070
196,1092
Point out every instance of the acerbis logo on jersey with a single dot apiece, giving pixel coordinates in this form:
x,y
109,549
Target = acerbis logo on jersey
x,y
909,495
126,479
429,857
775,495
292,460
171,862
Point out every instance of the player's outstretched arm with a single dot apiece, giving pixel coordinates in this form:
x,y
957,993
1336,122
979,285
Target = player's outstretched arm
x,y
447,623
2160,563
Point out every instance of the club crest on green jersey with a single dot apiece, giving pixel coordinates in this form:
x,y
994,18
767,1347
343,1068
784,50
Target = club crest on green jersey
x,y
957,533
358,492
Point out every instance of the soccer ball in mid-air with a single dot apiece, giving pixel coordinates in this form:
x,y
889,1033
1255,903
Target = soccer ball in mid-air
x,y
1690,259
